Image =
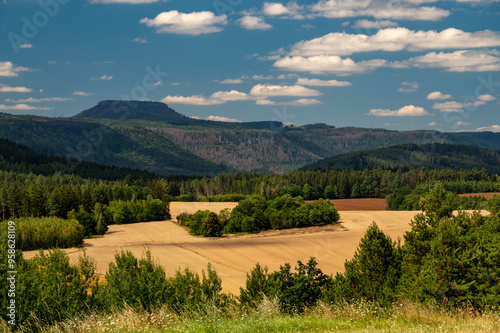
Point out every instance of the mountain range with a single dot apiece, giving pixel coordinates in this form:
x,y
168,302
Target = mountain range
x,y
153,137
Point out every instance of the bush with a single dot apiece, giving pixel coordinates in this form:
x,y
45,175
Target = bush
x,y
33,233
211,226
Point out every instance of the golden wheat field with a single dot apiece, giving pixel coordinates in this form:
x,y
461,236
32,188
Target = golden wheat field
x,y
234,256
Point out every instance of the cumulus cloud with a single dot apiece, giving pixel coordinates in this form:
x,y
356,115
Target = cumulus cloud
x,y
26,46
82,93
276,9
267,90
322,83
7,89
437,95
458,61
376,9
408,87
7,68
219,97
432,124
297,102
462,123
395,39
39,100
103,78
453,106
492,128
23,107
405,111
366,24
195,23
327,64
253,23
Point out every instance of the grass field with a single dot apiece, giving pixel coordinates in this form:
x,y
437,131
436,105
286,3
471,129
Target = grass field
x,y
266,317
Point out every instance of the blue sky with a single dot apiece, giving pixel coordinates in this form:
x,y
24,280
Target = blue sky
x,y
408,64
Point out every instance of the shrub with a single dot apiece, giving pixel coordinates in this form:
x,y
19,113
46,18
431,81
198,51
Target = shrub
x,y
33,233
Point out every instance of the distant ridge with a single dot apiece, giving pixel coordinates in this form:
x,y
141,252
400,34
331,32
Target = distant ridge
x,y
434,155
132,110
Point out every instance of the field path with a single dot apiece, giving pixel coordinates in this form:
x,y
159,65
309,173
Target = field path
x,y
234,256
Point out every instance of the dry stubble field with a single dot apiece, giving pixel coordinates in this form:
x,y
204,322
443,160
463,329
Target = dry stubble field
x,y
234,256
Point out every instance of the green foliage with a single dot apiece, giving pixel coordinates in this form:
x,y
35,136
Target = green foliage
x,y
50,289
139,211
45,233
134,282
257,214
373,274
301,289
452,260
494,205
212,226
259,283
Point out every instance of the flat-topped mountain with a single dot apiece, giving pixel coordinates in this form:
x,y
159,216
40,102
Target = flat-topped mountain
x,y
141,110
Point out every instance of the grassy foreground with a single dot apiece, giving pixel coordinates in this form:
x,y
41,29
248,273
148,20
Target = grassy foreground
x,y
266,317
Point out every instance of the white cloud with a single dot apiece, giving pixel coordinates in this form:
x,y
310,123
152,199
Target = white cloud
x,y
366,24
7,89
231,81
432,123
458,107
253,23
297,102
408,87
458,61
376,9
219,97
82,93
224,119
492,128
140,40
22,107
322,83
263,90
230,96
132,2
395,39
195,23
103,78
51,62
26,46
327,64
486,98
462,123
39,100
409,110
7,68
291,10
437,95
191,100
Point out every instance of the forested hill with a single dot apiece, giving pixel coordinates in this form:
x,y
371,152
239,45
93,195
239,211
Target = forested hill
x,y
430,156
153,137
20,159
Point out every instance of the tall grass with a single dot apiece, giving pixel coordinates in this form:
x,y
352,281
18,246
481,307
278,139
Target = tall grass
x,y
267,317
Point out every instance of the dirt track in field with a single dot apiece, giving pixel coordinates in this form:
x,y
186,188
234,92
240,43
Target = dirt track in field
x,y
234,256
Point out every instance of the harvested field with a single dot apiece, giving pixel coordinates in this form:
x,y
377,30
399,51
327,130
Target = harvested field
x,y
487,196
234,256
359,204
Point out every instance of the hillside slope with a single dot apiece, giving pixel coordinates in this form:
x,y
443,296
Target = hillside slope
x,y
112,144
410,155
154,137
